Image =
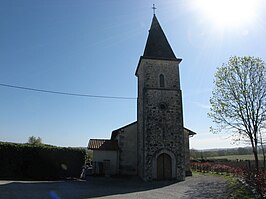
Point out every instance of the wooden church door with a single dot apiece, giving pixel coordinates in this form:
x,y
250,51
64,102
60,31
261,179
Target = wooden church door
x,y
164,167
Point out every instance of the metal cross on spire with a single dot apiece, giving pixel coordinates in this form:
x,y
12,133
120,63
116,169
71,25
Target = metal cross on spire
x,y
154,8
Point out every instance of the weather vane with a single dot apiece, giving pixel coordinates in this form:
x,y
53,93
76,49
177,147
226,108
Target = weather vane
x,y
154,8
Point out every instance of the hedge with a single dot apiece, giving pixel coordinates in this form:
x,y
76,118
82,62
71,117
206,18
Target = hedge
x,y
39,162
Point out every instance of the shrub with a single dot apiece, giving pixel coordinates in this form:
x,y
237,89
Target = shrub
x,y
256,180
39,162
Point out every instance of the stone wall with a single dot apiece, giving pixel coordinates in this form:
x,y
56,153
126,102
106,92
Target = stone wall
x,y
140,121
153,68
127,142
163,128
160,117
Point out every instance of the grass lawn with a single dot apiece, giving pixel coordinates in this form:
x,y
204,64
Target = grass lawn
x,y
238,190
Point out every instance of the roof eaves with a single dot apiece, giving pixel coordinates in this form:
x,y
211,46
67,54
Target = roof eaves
x,y
115,132
155,58
192,133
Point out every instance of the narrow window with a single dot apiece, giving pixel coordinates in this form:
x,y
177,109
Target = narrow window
x,y
161,80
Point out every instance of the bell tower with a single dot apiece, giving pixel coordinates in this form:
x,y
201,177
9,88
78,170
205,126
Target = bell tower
x,y
161,151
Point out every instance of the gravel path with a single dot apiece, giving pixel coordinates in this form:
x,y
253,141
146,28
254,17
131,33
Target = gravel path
x,y
199,186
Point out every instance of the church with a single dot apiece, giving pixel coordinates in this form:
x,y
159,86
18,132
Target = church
x,y
156,146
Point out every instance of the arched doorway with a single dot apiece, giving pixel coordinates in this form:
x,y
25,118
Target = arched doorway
x,y
164,167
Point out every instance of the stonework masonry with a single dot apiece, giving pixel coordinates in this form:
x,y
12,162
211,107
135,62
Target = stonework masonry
x,y
160,121
156,146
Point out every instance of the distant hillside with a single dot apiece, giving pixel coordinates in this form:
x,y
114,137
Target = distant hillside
x,y
236,157
208,153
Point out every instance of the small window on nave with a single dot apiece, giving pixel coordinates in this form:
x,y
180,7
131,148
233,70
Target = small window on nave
x,y
161,80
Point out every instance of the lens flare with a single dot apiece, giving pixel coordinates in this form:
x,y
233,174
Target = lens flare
x,y
228,12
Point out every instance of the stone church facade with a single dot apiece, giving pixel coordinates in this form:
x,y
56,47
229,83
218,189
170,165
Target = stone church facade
x,y
156,146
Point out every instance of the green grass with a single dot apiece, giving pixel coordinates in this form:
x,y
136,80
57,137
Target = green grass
x,y
235,157
235,188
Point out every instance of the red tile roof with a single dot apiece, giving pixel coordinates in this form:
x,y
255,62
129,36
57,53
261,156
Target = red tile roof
x,y
101,144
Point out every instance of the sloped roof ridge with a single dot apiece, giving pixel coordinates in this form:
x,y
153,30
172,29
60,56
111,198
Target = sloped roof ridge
x,y
115,132
103,144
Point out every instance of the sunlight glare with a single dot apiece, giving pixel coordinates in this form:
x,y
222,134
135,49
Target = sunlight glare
x,y
228,12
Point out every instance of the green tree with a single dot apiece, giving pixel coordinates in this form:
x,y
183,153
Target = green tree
x,y
238,102
34,141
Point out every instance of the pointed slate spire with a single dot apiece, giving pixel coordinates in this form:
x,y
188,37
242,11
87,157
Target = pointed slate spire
x,y
157,45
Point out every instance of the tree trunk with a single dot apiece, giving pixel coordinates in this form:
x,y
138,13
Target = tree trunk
x,y
263,153
264,158
254,144
255,152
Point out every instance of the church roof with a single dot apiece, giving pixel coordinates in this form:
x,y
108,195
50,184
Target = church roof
x,y
116,132
157,45
101,144
191,133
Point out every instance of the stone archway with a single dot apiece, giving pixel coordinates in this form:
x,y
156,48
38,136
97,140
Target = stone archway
x,y
164,167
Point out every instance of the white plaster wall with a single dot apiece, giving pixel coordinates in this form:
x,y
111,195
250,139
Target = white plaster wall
x,y
100,156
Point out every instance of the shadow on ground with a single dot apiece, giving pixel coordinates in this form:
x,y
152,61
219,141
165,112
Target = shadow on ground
x,y
75,189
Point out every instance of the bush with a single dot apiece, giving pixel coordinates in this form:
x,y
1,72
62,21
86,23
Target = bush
x,y
39,162
256,180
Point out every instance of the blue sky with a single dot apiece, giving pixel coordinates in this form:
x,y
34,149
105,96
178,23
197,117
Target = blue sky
x,y
93,47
